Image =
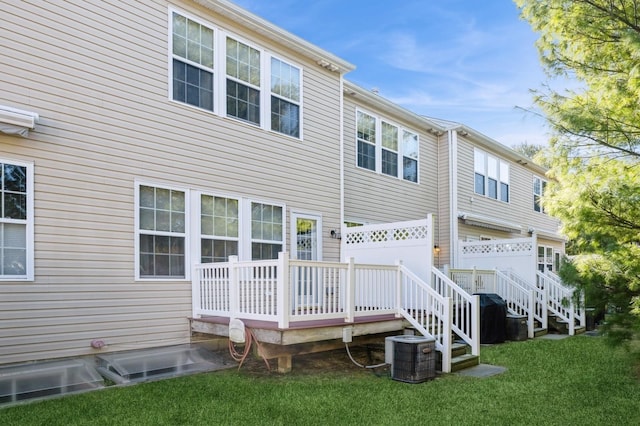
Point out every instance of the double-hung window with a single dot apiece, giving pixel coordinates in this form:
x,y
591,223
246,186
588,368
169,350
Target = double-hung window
x,y
16,221
491,176
539,186
162,232
385,148
219,228
389,149
366,125
409,156
243,81
193,60
285,98
267,236
216,71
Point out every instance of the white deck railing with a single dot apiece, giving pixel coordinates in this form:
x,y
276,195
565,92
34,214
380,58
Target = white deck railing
x,y
466,309
540,299
519,299
286,291
562,300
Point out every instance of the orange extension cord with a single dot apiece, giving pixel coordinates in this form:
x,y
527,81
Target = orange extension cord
x,y
249,338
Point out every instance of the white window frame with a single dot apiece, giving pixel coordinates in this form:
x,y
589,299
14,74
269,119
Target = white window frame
x,y
481,162
295,215
186,234
28,222
379,148
197,216
247,237
542,183
220,76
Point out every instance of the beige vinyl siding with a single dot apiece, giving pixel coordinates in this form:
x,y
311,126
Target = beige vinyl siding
x,y
98,77
519,209
372,197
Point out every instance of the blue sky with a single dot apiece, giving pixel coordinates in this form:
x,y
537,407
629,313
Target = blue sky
x,y
469,61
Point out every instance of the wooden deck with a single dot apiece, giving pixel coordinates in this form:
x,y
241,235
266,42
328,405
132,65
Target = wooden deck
x,y
304,337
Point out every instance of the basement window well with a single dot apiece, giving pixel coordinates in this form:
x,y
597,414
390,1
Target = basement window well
x,y
15,121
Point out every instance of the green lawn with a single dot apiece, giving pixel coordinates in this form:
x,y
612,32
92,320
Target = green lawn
x,y
574,381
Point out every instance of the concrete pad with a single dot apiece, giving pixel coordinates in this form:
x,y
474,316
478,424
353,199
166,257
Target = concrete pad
x,y
482,370
554,336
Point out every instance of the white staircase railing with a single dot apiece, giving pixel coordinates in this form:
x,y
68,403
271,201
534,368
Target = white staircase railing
x,y
540,310
429,312
561,300
519,299
466,309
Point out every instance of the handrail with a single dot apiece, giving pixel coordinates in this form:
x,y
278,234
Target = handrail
x,y
561,300
429,312
519,299
466,314
540,305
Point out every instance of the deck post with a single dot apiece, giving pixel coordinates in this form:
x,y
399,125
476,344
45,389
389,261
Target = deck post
x,y
399,306
475,325
284,292
447,320
531,312
350,306
234,296
474,280
196,291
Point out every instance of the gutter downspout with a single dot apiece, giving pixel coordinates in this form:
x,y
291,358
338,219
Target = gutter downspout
x,y
341,251
453,196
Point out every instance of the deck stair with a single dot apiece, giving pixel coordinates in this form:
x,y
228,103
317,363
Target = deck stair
x,y
561,326
461,357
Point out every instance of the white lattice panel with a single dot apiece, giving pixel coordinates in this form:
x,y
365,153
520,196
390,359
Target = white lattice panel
x,y
409,242
369,236
516,247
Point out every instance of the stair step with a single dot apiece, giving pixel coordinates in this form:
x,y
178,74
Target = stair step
x,y
464,361
539,331
458,349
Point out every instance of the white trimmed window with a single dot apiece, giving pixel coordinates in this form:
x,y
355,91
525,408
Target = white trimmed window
x,y
16,221
539,186
380,145
285,98
254,86
267,231
219,228
491,176
192,60
161,232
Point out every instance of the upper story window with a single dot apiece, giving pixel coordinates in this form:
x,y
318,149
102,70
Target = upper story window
x,y
238,90
16,221
491,176
539,186
386,148
285,98
192,48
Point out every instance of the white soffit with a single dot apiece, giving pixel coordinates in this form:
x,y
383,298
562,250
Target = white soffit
x,y
488,222
15,121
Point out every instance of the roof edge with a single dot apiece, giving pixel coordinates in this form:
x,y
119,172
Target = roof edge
x,y
273,32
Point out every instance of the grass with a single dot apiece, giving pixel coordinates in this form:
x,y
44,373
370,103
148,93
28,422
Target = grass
x,y
577,380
